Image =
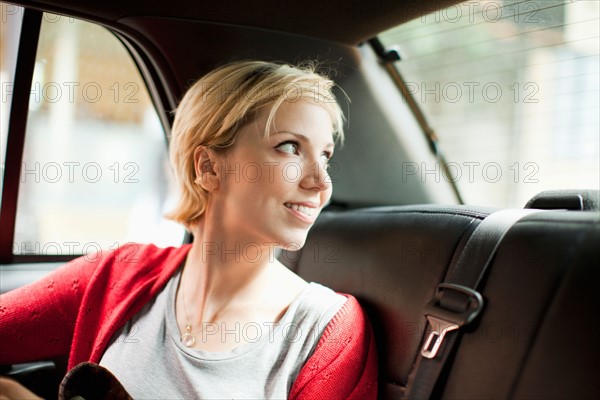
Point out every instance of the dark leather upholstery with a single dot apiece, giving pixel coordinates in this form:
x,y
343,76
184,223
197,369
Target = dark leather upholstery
x,y
536,336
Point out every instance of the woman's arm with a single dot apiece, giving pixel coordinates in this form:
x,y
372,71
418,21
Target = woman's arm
x,y
344,364
37,320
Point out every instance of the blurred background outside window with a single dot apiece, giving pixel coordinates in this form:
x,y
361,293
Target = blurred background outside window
x,y
512,90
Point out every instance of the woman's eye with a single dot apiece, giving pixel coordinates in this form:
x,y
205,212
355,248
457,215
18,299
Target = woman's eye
x,y
325,158
288,147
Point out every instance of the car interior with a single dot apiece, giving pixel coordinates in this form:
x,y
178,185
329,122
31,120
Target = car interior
x,y
477,288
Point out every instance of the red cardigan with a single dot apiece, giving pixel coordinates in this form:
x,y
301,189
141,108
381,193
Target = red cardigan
x,y
69,312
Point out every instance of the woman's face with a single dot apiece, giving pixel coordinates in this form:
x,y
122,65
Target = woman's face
x,y
272,189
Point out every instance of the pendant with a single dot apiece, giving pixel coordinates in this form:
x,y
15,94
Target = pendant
x,y
187,338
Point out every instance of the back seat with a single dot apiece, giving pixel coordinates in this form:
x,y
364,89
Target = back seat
x,y
536,337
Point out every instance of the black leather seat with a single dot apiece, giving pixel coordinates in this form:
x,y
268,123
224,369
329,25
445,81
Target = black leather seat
x,y
536,337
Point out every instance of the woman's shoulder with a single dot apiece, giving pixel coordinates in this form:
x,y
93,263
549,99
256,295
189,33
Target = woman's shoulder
x,y
130,265
344,362
314,308
137,253
131,256
321,301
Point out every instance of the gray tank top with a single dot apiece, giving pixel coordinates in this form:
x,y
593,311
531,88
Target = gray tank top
x,y
147,356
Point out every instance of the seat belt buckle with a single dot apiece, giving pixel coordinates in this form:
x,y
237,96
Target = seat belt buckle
x,y
443,320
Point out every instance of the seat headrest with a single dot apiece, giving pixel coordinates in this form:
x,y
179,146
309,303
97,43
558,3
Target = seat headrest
x,y
579,200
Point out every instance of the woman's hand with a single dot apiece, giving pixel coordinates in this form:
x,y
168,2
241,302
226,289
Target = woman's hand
x,y
13,390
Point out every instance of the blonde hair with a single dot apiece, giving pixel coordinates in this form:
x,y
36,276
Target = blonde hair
x,y
214,109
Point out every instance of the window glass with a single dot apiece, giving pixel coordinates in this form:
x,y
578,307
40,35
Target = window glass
x,y
95,171
10,30
511,89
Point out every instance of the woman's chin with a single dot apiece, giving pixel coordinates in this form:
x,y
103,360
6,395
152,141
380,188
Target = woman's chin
x,y
292,242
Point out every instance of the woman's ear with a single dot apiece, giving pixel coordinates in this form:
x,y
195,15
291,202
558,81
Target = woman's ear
x,y
205,165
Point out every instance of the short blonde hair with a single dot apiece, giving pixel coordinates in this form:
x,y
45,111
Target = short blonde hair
x,y
215,108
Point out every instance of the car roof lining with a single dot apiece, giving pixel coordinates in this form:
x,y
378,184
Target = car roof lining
x,y
344,21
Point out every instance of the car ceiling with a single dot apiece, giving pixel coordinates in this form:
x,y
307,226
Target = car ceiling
x,y
348,22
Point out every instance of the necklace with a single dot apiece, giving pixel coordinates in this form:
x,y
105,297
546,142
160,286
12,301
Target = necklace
x,y
188,339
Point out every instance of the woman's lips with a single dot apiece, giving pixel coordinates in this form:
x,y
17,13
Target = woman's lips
x,y
305,211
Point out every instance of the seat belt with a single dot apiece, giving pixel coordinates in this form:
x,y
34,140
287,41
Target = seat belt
x,y
457,302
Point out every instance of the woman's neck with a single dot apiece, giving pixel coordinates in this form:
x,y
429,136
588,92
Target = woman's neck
x,y
222,268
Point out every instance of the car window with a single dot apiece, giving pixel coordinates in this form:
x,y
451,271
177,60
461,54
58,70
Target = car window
x,y
95,172
511,89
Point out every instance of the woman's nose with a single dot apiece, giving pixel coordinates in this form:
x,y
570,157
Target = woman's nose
x,y
316,177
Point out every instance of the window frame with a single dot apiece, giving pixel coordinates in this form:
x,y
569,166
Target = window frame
x,y
17,125
157,84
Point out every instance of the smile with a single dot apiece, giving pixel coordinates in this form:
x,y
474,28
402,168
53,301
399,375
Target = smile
x,y
309,211
306,212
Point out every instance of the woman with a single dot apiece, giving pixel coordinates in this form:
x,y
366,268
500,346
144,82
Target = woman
x,y
221,317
